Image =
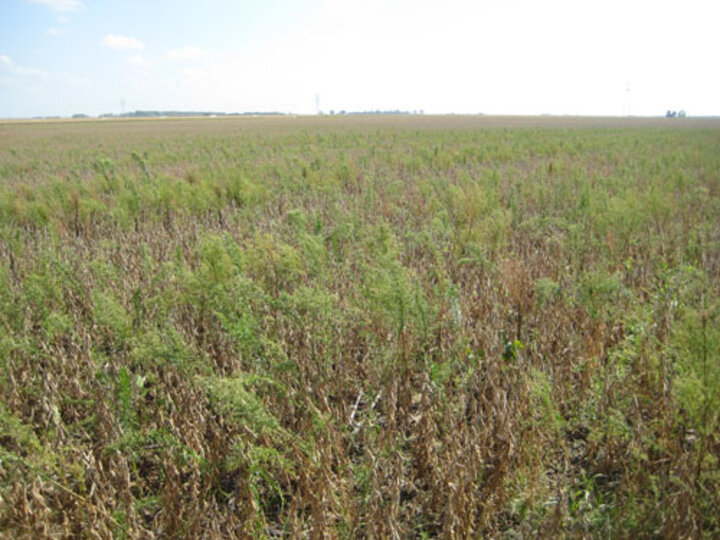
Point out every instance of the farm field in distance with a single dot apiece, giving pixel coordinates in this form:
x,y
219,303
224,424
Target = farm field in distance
x,y
360,327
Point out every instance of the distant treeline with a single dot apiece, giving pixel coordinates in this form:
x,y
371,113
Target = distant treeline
x,y
152,114
159,114
380,112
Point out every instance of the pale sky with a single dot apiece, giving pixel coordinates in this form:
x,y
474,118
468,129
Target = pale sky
x,y
60,57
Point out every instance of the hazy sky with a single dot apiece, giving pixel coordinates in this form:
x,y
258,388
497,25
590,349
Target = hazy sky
x,y
59,57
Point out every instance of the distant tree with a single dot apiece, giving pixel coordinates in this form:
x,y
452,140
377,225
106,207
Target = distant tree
x,y
681,113
80,115
670,114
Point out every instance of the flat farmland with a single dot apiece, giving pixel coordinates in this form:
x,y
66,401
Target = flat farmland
x,y
360,327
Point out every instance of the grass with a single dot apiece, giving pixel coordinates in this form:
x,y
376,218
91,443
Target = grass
x,y
360,327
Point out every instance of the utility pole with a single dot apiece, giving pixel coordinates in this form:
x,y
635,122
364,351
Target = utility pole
x,y
626,106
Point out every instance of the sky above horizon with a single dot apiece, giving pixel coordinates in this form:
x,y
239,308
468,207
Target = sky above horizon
x,y
61,57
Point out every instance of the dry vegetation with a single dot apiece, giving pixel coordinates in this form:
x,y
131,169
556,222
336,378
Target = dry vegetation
x,y
359,328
